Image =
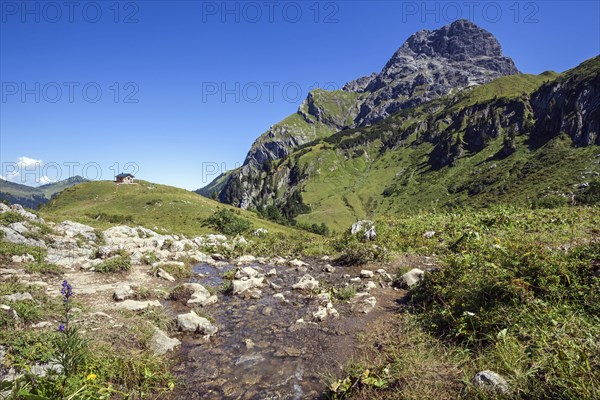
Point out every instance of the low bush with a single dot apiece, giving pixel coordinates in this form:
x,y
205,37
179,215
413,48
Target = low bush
x,y
228,222
115,264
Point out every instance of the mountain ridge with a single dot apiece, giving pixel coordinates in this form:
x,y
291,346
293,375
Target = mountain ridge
x,y
405,81
32,197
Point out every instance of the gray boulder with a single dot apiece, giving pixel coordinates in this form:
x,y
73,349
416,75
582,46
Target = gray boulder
x,y
122,292
192,322
243,285
491,381
307,282
362,303
411,278
133,305
161,343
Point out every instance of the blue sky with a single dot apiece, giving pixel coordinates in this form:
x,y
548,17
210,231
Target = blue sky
x,y
179,90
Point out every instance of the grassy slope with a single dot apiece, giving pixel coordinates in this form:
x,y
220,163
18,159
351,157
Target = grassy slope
x,y
150,205
345,187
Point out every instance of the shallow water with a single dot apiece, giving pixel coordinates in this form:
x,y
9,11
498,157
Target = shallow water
x,y
260,352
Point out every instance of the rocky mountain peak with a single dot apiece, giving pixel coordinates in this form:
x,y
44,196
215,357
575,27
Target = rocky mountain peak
x,y
431,64
458,41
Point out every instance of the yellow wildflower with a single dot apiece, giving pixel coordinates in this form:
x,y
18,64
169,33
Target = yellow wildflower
x,y
91,377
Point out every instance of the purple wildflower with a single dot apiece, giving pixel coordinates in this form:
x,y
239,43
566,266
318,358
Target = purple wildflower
x,y
66,291
61,328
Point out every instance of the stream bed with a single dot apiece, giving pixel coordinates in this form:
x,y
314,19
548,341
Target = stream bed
x,y
272,347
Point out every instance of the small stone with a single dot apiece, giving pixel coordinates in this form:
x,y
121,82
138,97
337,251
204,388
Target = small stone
x,y
161,343
240,286
362,302
429,234
297,263
133,305
122,292
271,272
245,272
18,297
41,325
328,268
192,322
165,275
365,273
411,278
307,282
491,381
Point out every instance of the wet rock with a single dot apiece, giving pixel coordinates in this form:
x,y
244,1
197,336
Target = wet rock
x,y
161,343
279,296
165,275
362,302
122,292
247,259
365,273
300,324
411,278
307,282
328,268
250,359
323,312
243,285
278,261
18,297
297,263
218,257
267,311
133,305
491,381
192,322
193,294
246,272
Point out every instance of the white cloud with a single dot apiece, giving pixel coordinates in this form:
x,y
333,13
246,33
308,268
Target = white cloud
x,y
25,170
29,163
45,179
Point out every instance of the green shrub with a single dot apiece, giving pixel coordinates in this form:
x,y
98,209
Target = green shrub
x,y
11,217
550,201
42,267
590,195
354,251
8,249
115,264
228,222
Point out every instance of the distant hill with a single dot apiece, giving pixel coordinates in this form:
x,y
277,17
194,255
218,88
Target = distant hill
x,y
33,197
103,204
